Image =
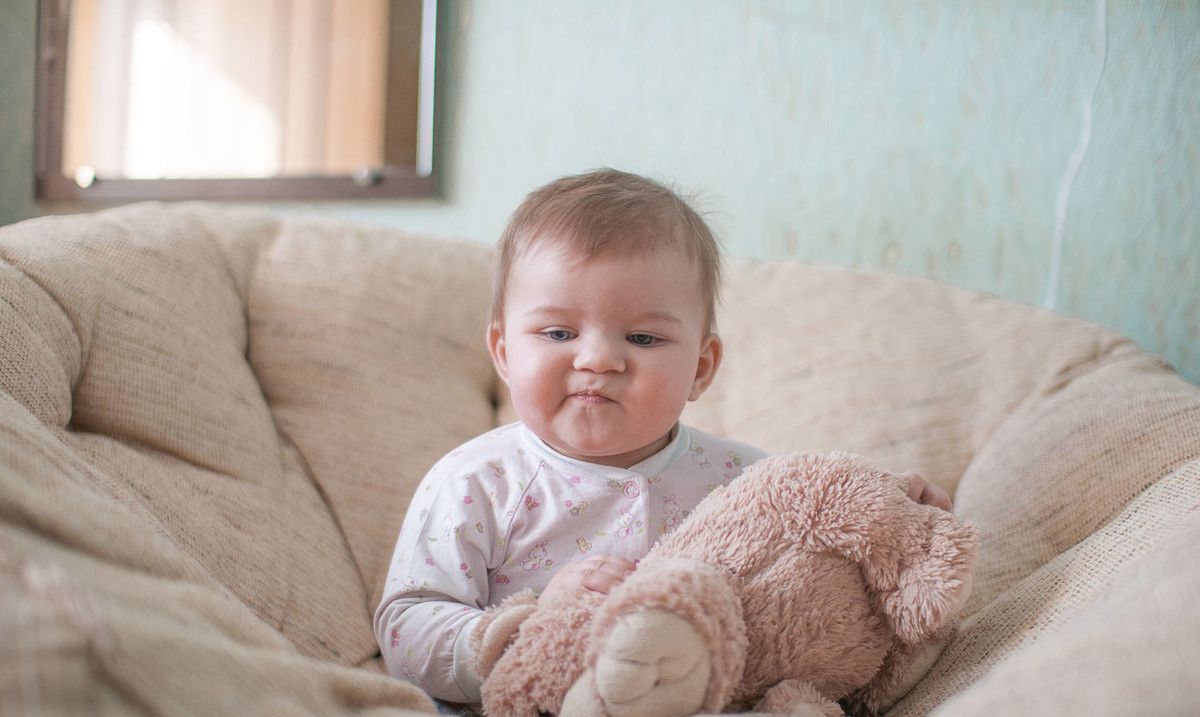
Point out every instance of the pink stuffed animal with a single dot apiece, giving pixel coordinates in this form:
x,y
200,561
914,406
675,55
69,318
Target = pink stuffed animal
x,y
809,579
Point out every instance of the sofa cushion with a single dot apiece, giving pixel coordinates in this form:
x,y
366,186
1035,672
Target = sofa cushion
x,y
1109,622
913,373
369,349
1073,493
262,394
1072,458
1129,644
156,396
105,611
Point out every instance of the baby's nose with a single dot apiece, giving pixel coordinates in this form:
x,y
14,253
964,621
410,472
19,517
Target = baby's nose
x,y
599,355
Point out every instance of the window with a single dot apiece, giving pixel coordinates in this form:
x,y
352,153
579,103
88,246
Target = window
x,y
227,99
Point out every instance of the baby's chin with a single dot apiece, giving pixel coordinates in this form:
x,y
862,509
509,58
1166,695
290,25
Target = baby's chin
x,y
607,456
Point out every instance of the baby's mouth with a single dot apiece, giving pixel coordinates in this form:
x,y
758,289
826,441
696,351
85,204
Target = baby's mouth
x,y
591,398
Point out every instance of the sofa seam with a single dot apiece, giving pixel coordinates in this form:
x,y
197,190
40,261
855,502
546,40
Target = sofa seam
x,y
327,502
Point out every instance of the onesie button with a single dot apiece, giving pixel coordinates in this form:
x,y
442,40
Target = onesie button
x,y
632,489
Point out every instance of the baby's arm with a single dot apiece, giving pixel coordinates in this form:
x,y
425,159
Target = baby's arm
x,y
436,588
427,640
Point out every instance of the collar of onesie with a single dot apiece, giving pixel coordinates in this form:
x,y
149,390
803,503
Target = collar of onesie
x,y
652,466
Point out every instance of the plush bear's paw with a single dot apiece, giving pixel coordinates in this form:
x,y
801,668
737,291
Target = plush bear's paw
x,y
652,663
797,698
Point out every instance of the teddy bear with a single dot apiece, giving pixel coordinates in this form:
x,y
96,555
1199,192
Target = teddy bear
x,y
810,579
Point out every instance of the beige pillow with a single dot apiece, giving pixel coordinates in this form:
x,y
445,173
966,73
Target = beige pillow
x,y
140,337
369,348
914,374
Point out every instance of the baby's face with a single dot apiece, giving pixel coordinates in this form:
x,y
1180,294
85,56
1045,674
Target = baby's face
x,y
601,356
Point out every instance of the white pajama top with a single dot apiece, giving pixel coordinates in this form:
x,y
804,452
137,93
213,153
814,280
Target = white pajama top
x,y
502,513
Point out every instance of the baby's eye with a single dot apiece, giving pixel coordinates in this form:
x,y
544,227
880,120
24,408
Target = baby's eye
x,y
643,340
559,334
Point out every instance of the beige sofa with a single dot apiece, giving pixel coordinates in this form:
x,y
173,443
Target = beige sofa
x,y
211,422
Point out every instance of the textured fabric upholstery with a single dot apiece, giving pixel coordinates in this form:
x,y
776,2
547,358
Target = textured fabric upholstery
x,y
211,422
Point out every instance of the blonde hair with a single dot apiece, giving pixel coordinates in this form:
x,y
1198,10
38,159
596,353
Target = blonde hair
x,y
608,211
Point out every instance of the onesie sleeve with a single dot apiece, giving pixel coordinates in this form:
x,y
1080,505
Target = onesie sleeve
x,y
437,585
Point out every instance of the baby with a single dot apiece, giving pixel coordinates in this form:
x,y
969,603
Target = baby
x,y
603,329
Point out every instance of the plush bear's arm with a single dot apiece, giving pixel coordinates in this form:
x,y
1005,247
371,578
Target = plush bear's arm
x,y
498,627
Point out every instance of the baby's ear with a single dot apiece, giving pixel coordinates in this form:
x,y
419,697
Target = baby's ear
x,y
711,352
497,349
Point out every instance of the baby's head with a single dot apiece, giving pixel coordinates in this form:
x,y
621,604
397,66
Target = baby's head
x,y
603,312
608,212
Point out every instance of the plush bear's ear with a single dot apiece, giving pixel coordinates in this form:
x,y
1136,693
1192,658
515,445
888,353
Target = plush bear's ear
x,y
933,578
922,581
916,559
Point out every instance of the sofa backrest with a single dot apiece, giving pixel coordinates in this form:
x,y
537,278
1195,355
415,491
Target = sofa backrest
x,y
913,373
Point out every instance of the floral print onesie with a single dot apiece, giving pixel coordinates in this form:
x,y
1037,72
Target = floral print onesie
x,y
502,513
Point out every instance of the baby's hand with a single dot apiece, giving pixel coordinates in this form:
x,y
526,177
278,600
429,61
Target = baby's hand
x,y
600,573
922,491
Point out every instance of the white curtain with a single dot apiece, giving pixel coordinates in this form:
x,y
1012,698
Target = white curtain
x,y
225,88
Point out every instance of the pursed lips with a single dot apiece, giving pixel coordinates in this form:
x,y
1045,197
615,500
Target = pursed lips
x,y
591,398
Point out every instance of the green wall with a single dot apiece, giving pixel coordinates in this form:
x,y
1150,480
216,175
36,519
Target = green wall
x,y
928,138
18,47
